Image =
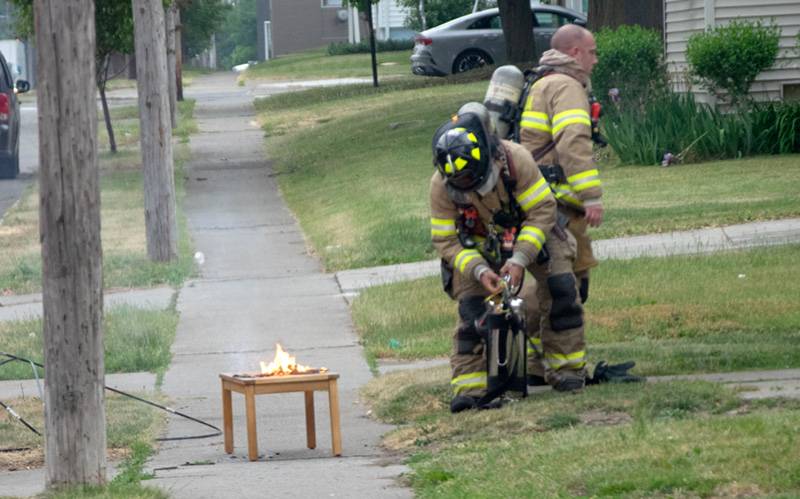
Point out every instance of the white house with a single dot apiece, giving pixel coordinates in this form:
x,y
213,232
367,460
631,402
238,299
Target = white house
x,y
683,18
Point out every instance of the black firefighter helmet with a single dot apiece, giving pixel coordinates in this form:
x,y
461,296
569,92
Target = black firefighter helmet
x,y
462,152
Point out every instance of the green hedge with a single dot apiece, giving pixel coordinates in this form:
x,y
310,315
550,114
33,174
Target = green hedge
x,y
342,48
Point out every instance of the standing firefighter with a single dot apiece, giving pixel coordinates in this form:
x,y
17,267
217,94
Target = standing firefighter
x,y
557,128
493,215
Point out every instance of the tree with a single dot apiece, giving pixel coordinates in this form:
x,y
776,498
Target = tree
x,y
366,6
517,21
114,34
155,132
238,37
201,19
430,13
69,225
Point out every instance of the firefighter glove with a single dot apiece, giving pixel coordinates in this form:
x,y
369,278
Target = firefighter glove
x,y
614,373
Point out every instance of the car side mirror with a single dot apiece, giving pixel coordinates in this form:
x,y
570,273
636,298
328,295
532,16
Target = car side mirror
x,y
22,86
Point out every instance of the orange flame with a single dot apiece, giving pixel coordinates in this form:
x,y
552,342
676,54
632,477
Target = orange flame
x,y
283,364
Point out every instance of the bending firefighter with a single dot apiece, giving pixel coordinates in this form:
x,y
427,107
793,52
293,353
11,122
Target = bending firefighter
x,y
492,215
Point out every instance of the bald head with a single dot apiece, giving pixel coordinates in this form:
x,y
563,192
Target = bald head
x,y
578,43
568,37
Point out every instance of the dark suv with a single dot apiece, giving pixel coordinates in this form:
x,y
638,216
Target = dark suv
x,y
9,120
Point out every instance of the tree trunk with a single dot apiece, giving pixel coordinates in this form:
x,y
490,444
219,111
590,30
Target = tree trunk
x,y
155,130
172,75
102,78
178,55
372,46
615,13
517,22
69,225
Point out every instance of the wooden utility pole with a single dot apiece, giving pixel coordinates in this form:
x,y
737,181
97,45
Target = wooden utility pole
x,y
155,130
69,226
172,76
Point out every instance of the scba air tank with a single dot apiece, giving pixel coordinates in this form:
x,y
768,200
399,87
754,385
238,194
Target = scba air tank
x,y
502,98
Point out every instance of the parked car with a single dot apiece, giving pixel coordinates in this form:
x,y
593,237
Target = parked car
x,y
476,40
9,120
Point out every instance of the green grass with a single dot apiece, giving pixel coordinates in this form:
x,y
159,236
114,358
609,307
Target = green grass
x,y
125,121
672,315
676,439
367,203
125,262
135,340
317,64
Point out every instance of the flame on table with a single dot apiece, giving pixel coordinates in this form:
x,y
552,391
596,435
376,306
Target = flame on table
x,y
282,364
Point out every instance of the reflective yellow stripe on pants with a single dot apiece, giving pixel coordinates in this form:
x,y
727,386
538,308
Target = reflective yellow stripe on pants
x,y
469,381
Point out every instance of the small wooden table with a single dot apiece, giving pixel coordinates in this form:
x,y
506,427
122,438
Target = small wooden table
x,y
258,385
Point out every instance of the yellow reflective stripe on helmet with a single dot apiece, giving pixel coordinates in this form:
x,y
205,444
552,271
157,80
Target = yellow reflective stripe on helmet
x,y
467,381
570,117
533,235
533,194
536,120
464,257
443,227
460,163
584,180
471,136
575,360
476,153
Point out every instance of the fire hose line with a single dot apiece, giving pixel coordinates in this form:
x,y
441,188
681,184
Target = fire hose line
x,y
34,365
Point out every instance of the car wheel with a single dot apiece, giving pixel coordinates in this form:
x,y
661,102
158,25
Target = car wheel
x,y
471,59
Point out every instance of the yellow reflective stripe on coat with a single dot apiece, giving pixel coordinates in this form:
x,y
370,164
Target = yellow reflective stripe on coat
x,y
443,227
536,121
534,346
564,193
533,194
533,235
570,117
574,360
467,381
584,180
464,257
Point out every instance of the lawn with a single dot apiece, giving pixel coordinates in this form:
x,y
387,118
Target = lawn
x,y
367,203
135,340
683,314
317,64
125,261
675,439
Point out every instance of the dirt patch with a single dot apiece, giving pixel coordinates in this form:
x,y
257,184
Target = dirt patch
x,y
738,490
29,459
600,418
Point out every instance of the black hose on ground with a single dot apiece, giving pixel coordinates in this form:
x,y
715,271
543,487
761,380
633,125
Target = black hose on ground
x,y
217,431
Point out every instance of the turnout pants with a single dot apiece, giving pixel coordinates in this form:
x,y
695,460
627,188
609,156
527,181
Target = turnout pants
x,y
554,316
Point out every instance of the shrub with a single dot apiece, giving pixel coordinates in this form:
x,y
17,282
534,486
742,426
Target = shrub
x,y
438,11
631,59
727,59
342,48
692,131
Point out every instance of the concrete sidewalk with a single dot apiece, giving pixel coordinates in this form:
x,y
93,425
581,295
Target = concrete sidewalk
x,y
732,237
259,287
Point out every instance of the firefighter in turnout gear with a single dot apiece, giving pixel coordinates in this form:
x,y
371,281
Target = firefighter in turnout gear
x,y
556,128
493,215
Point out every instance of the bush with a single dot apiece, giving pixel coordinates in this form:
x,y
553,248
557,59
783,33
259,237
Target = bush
x,y
631,59
438,11
342,48
727,59
691,131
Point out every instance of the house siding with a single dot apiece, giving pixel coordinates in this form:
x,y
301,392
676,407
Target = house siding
x,y
683,18
304,24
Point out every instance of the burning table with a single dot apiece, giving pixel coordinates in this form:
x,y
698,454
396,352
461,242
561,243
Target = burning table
x,y
282,375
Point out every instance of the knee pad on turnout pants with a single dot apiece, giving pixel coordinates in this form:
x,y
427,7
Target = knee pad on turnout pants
x,y
565,311
467,337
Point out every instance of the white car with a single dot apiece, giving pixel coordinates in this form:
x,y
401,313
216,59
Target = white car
x,y
476,40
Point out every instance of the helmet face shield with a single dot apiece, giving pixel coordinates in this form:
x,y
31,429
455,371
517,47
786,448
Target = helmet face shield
x,y
462,153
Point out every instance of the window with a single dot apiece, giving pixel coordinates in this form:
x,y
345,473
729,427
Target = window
x,y
551,20
332,3
488,22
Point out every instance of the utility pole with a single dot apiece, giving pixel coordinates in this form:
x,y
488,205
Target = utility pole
x,y
172,68
155,130
69,226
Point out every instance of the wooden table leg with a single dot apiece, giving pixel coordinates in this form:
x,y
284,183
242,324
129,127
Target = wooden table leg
x,y
333,402
311,431
250,409
227,419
